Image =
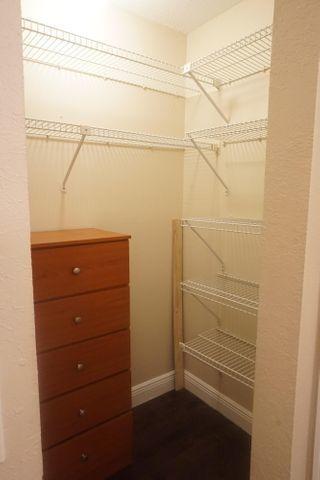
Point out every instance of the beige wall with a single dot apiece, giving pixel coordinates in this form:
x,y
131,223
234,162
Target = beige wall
x,y
242,166
123,189
288,323
18,373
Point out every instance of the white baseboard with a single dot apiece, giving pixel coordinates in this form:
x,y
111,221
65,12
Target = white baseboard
x,y
224,405
152,388
165,383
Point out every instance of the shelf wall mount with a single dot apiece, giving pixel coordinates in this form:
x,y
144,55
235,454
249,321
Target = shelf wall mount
x,y
205,158
84,131
188,73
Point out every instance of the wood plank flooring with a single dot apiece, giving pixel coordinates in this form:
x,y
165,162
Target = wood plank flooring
x,y
178,437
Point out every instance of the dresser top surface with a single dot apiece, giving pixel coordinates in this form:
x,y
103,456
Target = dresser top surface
x,y
73,237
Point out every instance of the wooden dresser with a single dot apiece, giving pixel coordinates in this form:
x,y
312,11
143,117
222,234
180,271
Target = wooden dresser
x,y
81,294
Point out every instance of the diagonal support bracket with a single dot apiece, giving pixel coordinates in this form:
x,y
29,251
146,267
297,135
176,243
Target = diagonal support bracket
x,y
196,146
204,91
84,132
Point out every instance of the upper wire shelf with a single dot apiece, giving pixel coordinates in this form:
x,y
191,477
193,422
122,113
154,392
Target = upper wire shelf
x,y
58,48
232,292
255,130
225,352
67,131
231,225
242,59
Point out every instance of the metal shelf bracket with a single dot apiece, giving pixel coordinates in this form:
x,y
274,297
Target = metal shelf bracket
x,y
188,73
197,147
84,132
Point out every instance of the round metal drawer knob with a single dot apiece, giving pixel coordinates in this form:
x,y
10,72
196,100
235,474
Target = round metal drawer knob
x,y
80,366
82,412
77,320
76,270
84,457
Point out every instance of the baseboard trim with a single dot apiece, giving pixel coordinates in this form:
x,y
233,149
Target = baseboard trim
x,y
223,404
143,392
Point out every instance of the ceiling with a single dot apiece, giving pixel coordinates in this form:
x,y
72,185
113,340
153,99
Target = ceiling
x,y
181,15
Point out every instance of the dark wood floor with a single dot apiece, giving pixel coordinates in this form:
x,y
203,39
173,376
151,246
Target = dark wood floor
x,y
178,437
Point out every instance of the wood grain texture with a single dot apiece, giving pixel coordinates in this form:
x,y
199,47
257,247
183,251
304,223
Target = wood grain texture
x,y
101,357
102,265
107,448
72,413
73,237
97,314
177,274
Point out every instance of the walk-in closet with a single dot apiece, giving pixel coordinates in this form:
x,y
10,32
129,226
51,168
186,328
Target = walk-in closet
x,y
147,127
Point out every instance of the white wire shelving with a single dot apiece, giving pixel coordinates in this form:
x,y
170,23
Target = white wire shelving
x,y
73,132
225,352
230,225
54,47
255,130
249,56
47,45
252,131
227,290
85,134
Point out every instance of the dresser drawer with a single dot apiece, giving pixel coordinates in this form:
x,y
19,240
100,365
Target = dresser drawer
x,y
94,455
63,271
71,367
70,320
75,412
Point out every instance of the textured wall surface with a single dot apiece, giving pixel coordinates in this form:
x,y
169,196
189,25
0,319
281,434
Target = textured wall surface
x,y
18,374
282,431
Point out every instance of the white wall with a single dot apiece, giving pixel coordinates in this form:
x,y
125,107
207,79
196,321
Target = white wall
x,y
242,166
122,189
18,372
288,323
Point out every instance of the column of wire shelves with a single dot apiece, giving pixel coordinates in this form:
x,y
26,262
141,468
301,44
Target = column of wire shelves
x,y
226,353
220,349
68,131
255,130
242,59
54,47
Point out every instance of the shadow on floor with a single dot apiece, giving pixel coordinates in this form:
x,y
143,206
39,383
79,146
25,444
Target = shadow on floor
x,y
178,437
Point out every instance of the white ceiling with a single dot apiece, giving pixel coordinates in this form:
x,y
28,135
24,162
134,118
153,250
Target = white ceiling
x,y
181,15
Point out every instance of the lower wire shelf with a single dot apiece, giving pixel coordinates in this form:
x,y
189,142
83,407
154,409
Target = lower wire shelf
x,y
226,353
230,291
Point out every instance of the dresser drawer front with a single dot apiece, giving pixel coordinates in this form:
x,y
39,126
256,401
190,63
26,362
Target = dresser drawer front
x,y
70,320
71,367
75,412
104,449
63,271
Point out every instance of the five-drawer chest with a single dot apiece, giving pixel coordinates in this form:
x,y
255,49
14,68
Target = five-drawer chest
x,y
82,320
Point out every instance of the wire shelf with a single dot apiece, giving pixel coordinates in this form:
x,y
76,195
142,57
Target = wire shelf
x,y
73,132
226,353
58,48
256,130
229,291
230,225
242,59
